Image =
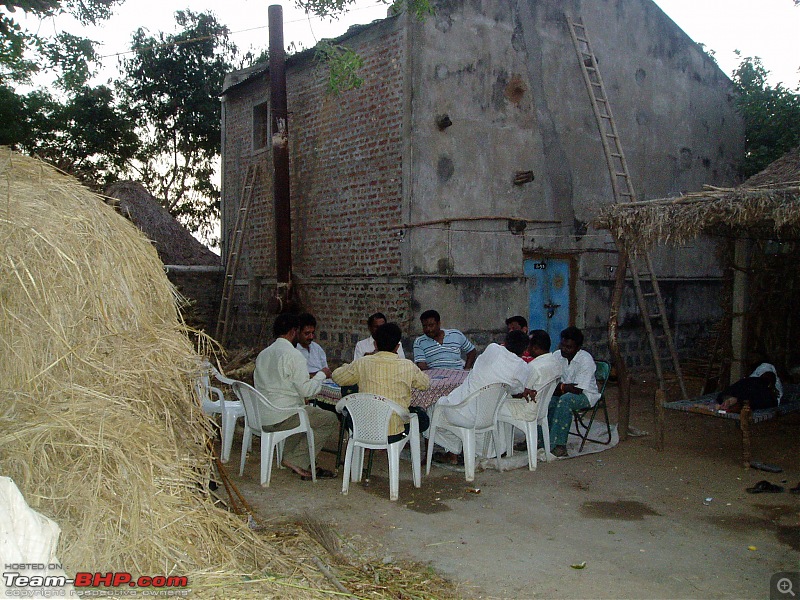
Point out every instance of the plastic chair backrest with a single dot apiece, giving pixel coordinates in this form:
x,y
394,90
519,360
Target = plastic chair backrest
x,y
370,414
602,373
543,396
257,406
486,401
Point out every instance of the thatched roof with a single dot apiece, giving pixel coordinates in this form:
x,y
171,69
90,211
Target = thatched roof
x,y
766,206
173,242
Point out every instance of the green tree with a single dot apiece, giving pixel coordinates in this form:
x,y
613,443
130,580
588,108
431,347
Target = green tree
x,y
171,87
771,115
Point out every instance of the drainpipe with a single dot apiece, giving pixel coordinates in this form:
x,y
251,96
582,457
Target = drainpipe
x,y
280,150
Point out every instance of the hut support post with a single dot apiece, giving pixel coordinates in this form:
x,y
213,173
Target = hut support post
x,y
660,398
623,381
741,265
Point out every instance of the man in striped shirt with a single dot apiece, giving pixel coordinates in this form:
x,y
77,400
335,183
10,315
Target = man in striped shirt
x,y
441,348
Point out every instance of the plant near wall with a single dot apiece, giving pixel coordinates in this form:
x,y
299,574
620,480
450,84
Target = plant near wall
x,y
343,64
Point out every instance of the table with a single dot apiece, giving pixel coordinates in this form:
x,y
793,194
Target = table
x,y
443,381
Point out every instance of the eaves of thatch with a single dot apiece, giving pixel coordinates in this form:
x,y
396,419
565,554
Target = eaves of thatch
x,y
766,206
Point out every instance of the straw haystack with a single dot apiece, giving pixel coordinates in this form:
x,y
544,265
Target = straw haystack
x,y
99,427
173,242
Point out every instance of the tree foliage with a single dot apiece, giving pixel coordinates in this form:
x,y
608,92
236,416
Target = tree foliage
x,y
771,115
171,87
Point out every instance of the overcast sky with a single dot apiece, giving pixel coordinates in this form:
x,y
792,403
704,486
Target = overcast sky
x,y
769,29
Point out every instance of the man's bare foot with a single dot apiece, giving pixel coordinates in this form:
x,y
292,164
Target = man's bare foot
x,y
296,469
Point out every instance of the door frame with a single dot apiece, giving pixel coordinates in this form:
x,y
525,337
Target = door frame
x,y
572,261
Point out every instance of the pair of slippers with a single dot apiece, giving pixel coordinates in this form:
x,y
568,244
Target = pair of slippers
x,y
448,458
765,486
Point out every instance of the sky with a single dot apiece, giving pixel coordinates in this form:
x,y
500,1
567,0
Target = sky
x,y
769,29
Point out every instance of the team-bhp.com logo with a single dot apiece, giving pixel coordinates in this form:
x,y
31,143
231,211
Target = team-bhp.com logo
x,y
19,579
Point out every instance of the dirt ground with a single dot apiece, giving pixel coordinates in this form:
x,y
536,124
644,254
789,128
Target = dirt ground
x,y
648,524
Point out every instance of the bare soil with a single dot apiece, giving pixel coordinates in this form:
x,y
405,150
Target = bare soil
x,y
647,524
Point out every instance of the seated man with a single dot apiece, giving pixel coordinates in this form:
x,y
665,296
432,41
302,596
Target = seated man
x,y
497,364
544,368
388,375
518,322
578,388
315,356
760,390
368,346
441,348
281,374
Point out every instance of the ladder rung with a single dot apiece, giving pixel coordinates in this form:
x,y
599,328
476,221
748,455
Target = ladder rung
x,y
621,174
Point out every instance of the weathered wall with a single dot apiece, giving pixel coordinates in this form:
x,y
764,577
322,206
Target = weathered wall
x,y
202,287
507,75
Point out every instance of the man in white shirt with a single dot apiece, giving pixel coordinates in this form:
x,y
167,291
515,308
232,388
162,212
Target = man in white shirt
x,y
367,346
544,368
281,375
497,364
315,356
578,388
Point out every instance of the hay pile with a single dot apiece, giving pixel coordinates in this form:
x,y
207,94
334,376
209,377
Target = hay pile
x,y
99,427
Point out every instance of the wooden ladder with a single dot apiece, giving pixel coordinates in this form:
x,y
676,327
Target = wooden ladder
x,y
232,263
645,283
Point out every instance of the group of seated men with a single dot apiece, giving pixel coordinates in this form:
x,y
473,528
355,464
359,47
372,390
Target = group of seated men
x,y
291,370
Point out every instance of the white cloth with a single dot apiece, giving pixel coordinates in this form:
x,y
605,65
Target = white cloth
x,y
367,346
768,368
282,376
580,372
28,538
543,370
315,357
494,365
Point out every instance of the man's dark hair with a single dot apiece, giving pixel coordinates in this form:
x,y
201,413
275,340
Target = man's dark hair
x,y
284,323
307,320
540,339
519,319
387,336
516,342
430,314
375,317
574,334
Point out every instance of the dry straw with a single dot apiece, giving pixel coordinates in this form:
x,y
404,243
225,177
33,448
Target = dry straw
x,y
98,423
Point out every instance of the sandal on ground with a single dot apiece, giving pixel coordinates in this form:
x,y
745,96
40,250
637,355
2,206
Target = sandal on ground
x,y
795,489
560,452
321,474
764,486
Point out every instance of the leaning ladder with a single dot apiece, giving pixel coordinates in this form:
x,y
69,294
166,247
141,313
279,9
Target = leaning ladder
x,y
648,292
232,264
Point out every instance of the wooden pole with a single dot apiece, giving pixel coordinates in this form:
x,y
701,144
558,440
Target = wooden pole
x,y
741,265
661,397
623,381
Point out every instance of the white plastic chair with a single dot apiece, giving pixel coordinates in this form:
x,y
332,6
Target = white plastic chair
x,y
230,411
486,402
370,415
531,428
257,405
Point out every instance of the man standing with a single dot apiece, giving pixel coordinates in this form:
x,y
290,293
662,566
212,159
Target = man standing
x,y
281,374
578,388
497,364
441,348
386,374
315,356
368,346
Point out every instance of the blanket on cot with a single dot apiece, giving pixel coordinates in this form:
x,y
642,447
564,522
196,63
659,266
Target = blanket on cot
x,y
705,405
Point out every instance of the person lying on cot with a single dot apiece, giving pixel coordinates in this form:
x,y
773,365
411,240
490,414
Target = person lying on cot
x,y
760,391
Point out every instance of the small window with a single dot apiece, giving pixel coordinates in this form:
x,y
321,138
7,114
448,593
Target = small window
x,y
260,126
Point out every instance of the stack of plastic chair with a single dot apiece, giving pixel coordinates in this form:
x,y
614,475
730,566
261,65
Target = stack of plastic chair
x,y
256,408
484,404
370,415
230,411
531,427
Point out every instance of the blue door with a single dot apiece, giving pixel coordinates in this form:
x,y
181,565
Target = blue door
x,y
548,295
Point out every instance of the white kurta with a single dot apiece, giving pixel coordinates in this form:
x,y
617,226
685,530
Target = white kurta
x,y
494,365
315,357
367,346
543,370
580,371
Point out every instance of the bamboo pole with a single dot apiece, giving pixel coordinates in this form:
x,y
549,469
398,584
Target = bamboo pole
x,y
623,381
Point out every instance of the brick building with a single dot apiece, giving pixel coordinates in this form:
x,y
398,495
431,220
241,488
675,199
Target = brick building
x,y
414,191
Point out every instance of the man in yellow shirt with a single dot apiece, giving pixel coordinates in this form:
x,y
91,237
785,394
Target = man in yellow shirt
x,y
386,374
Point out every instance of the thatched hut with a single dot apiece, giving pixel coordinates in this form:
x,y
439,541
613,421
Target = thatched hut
x,y
757,225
